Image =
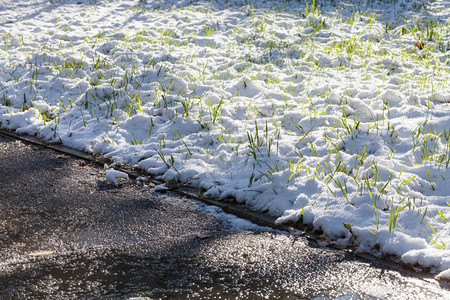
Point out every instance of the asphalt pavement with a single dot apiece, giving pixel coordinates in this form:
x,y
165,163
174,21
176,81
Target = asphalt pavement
x,y
66,233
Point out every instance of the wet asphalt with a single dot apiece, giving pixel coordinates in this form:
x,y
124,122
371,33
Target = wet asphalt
x,y
66,233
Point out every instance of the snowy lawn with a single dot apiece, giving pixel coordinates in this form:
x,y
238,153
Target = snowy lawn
x,y
335,115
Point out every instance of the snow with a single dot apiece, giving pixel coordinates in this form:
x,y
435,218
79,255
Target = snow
x,y
112,175
444,275
330,116
160,188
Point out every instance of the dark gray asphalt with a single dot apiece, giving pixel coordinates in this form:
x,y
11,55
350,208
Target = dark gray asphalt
x,y
93,240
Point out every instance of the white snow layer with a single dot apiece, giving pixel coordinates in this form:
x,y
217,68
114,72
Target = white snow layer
x,y
111,176
329,115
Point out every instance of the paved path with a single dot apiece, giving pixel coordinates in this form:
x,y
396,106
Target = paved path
x,y
66,233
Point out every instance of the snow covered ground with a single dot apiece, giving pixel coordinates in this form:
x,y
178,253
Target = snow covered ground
x,y
329,115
